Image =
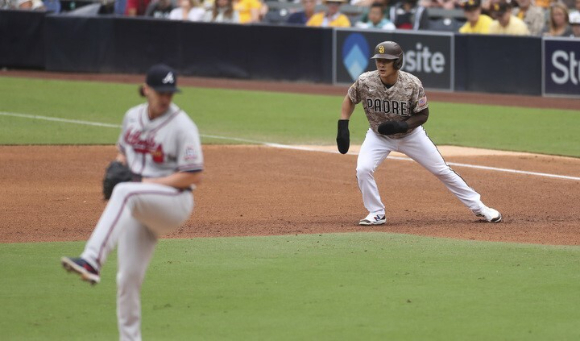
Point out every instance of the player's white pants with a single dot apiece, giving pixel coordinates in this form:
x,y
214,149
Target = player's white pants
x,y
135,216
418,147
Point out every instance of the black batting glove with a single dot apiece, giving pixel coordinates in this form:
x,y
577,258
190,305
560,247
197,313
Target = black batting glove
x,y
393,127
343,136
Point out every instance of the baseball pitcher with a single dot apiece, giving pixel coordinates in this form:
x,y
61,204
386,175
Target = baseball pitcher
x,y
396,107
160,145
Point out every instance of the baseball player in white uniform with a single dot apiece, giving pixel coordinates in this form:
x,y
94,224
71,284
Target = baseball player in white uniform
x,y
160,143
395,104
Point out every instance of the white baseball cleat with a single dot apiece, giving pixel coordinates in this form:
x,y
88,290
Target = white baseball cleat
x,y
373,219
489,214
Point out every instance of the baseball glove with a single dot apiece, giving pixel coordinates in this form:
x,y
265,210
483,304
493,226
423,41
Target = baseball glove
x,y
115,173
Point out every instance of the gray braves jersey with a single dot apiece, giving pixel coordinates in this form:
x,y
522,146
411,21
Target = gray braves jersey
x,y
155,148
382,104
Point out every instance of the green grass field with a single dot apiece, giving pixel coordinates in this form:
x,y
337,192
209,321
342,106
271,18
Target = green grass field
x,y
352,286
268,117
365,286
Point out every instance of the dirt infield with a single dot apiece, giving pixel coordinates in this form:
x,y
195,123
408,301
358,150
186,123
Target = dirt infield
x,y
52,193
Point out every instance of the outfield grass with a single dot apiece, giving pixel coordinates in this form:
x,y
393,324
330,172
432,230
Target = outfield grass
x,y
365,286
268,117
356,286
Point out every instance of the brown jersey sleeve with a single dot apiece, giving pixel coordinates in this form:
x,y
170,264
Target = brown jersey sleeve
x,y
419,99
354,93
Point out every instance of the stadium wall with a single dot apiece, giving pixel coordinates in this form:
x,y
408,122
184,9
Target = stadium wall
x,y
21,39
443,60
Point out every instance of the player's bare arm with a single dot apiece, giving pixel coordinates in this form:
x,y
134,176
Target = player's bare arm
x,y
179,180
347,108
418,119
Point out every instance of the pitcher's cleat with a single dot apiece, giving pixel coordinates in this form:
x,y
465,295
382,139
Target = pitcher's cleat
x,y
81,267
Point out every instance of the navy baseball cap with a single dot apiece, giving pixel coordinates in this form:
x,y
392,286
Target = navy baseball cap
x,y
162,78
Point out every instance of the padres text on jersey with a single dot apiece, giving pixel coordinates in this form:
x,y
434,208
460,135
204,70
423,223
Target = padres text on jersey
x,y
405,98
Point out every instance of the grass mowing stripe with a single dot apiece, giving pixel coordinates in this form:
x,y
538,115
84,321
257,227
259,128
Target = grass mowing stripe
x,y
268,116
364,286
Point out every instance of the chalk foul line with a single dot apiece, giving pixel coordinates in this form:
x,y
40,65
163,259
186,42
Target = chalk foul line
x,y
284,146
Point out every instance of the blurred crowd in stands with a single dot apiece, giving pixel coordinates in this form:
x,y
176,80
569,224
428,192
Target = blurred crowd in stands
x,y
554,18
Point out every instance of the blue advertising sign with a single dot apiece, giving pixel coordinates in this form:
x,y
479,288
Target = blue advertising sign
x,y
428,56
561,67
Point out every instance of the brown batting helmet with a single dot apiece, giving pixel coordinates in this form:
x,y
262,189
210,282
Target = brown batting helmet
x,y
389,50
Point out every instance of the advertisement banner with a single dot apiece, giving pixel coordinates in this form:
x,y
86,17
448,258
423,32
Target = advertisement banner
x,y
428,56
562,67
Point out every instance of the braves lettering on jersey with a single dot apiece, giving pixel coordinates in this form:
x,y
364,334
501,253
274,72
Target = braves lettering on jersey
x,y
405,98
166,150
151,146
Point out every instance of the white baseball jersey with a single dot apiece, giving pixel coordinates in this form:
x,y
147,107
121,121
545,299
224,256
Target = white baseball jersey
x,y
139,212
160,147
382,104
